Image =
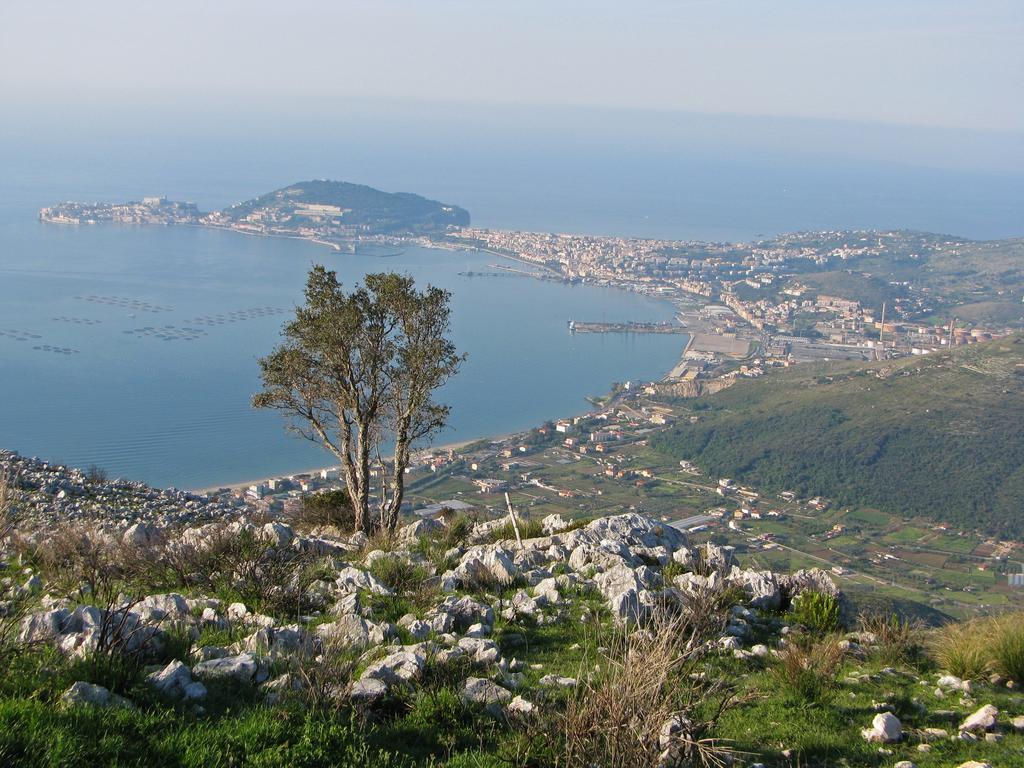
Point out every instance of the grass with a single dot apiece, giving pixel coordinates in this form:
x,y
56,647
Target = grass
x,y
529,528
972,649
398,574
806,669
1008,646
898,638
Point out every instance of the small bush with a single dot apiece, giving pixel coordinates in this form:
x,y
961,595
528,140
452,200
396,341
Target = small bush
x,y
807,670
671,570
326,508
817,611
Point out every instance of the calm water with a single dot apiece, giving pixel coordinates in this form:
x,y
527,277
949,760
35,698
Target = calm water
x,y
135,348
176,411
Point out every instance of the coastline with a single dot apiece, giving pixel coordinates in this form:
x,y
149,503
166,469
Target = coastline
x,y
242,485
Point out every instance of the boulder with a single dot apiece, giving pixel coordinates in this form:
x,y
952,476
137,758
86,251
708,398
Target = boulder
x,y
981,721
617,580
279,534
172,679
885,728
423,527
478,690
163,608
557,681
82,693
368,690
44,627
553,524
350,631
352,579
140,534
242,667
400,667
520,706
761,587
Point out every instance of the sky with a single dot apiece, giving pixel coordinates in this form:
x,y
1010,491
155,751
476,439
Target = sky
x,y
935,63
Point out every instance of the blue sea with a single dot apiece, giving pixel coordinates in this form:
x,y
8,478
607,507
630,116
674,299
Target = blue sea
x,y
135,348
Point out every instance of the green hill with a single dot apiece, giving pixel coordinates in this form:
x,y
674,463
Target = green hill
x,y
940,436
363,209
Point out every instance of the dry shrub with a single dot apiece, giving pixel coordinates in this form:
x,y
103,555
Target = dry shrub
x,y
79,563
324,681
961,648
645,679
807,669
898,639
9,517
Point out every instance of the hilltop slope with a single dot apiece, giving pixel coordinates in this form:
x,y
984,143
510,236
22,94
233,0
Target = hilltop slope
x,y
937,436
364,209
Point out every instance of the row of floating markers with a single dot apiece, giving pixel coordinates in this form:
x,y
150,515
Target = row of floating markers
x,y
126,302
27,335
168,333
237,315
20,335
77,320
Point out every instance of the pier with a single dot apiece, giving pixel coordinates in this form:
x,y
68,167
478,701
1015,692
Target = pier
x,y
579,326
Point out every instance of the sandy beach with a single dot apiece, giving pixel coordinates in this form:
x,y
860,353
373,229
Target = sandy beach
x,y
454,446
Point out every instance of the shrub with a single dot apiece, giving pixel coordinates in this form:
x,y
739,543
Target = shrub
x,y
807,669
817,611
671,570
9,517
326,508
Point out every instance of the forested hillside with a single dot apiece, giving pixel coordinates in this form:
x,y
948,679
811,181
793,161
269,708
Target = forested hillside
x,y
940,436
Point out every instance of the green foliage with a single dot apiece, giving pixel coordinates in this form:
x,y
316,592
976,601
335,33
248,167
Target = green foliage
x,y
34,734
671,570
327,508
935,437
817,611
360,367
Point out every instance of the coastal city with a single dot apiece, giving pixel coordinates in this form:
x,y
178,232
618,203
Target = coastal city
x,y
805,296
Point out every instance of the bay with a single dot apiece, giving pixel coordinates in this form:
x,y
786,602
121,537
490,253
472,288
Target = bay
x,y
135,348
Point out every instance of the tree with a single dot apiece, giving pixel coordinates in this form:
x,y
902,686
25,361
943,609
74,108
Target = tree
x,y
357,370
